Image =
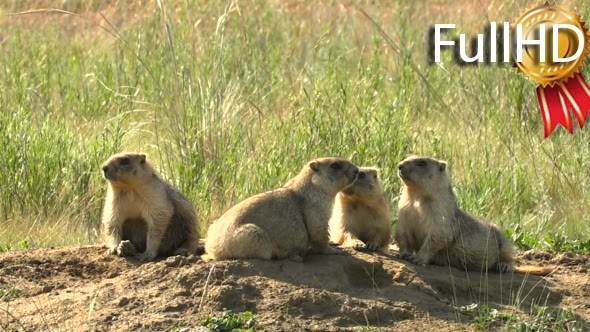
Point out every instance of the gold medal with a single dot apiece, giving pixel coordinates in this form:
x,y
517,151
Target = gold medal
x,y
553,44
549,72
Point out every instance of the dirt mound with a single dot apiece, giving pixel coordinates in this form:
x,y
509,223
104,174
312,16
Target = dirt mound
x,y
84,289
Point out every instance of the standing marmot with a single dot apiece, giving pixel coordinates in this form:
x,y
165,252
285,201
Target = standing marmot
x,y
285,222
432,226
361,216
142,213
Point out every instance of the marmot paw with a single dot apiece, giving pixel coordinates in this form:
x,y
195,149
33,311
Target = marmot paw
x,y
296,258
359,245
371,246
112,250
145,256
419,260
182,252
406,256
126,249
330,251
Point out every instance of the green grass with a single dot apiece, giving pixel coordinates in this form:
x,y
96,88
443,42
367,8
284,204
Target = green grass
x,y
9,294
231,100
541,318
230,321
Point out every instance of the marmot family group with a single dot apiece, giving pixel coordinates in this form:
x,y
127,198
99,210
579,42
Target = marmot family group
x,y
330,202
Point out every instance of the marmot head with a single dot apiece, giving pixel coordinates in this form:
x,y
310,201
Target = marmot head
x,y
367,185
423,174
329,174
126,169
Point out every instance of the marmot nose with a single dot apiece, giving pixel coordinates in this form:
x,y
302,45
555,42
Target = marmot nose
x,y
105,169
399,167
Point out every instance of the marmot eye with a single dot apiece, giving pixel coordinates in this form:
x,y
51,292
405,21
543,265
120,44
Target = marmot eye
x,y
421,163
125,161
362,175
336,166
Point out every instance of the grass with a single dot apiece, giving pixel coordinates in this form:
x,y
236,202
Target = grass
x,y
9,294
230,321
231,98
541,318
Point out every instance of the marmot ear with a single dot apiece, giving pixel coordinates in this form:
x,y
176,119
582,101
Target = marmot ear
x,y
314,166
442,166
142,158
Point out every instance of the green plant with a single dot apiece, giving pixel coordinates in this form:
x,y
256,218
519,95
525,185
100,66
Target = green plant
x,y
544,319
541,319
563,243
5,247
24,244
485,317
522,240
230,321
8,294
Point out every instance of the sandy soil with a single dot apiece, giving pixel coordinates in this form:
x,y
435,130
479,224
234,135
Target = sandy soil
x,y
84,289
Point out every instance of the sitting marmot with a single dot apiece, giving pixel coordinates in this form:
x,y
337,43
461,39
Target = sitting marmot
x,y
361,216
144,214
285,222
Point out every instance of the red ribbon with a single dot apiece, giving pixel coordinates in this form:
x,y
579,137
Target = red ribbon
x,y
556,101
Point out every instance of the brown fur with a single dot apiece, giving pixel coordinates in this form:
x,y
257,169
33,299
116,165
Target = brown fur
x,y
143,215
286,222
361,216
433,230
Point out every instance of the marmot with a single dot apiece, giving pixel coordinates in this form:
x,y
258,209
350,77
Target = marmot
x,y
432,226
143,214
286,222
361,215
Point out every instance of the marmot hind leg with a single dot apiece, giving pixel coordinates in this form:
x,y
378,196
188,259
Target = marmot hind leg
x,y
135,231
189,247
251,241
506,254
349,240
179,241
379,245
378,241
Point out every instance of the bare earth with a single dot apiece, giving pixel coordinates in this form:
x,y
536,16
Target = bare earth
x,y
84,289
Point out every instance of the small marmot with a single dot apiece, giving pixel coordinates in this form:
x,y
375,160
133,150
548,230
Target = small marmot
x,y
286,222
433,230
143,215
361,215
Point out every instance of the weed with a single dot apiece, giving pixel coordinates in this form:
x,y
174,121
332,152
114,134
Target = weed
x,y
5,247
230,321
9,294
485,317
563,243
540,319
545,319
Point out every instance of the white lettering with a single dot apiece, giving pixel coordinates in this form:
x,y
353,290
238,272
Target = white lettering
x,y
462,46
580,34
438,42
520,42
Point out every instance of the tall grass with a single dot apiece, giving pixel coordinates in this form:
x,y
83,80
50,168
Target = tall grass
x,y
231,98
